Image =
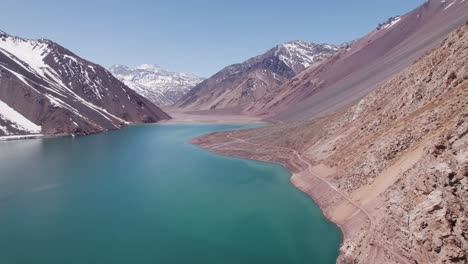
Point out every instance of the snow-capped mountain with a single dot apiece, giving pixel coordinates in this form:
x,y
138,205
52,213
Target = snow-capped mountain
x,y
240,85
299,55
158,85
45,88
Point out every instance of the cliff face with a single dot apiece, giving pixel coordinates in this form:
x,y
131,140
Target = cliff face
x,y
392,170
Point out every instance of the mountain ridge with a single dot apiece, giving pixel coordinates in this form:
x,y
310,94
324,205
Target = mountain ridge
x,y
160,86
368,62
239,85
62,93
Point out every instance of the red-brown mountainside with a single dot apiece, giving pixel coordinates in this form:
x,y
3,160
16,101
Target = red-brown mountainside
x,y
392,169
46,89
238,86
368,63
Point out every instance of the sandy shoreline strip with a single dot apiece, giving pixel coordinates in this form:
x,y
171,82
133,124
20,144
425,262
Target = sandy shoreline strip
x,y
300,177
338,207
181,117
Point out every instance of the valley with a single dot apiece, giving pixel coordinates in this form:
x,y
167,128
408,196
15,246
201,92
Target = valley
x,y
373,130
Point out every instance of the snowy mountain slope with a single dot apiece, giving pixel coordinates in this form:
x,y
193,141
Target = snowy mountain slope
x,y
16,121
299,55
240,85
61,93
156,84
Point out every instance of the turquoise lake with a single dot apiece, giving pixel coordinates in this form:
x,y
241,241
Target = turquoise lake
x,y
146,195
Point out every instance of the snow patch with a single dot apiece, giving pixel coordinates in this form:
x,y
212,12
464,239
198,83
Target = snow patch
x,y
21,122
392,22
4,129
154,83
451,4
71,58
303,53
148,67
31,52
15,137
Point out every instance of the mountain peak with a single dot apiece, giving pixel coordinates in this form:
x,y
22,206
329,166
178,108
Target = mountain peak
x,y
149,67
294,42
119,69
4,35
300,43
240,86
297,52
63,93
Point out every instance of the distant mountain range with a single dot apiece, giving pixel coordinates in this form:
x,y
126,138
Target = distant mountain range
x,y
156,84
46,89
240,85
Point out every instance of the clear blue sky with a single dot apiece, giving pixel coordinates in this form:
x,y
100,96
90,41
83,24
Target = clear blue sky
x,y
194,36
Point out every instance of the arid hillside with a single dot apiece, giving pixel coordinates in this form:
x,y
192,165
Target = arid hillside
x,y
365,65
238,86
392,169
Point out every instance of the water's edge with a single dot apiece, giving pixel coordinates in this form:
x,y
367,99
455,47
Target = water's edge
x,y
338,236
326,216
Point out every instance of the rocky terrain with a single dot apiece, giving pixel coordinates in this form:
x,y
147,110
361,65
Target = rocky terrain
x,y
365,64
156,84
46,89
238,86
392,169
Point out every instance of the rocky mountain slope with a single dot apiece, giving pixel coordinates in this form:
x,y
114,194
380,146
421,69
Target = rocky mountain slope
x,y
45,88
392,169
366,64
156,84
240,85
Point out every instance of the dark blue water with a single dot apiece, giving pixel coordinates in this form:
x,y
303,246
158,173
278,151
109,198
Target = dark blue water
x,y
145,195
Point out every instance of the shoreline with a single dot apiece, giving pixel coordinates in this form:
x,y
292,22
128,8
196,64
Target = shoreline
x,y
356,220
34,136
182,116
177,117
293,182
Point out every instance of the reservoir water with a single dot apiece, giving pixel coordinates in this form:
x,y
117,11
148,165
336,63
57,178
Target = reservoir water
x,y
146,195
